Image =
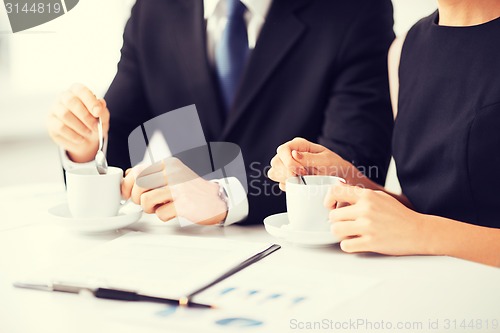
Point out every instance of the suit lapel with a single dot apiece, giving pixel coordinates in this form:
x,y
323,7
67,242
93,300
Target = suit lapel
x,y
280,32
190,40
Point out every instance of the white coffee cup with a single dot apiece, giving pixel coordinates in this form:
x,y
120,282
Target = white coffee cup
x,y
93,195
305,203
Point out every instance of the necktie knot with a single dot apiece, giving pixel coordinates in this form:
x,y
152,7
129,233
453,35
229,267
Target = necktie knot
x,y
235,8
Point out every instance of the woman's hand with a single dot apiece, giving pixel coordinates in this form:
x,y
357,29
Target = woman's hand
x,y
374,221
186,195
302,157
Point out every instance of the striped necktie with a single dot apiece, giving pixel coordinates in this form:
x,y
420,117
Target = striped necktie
x,y
232,52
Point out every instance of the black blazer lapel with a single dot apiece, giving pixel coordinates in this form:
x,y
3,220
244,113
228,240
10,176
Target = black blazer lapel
x,y
190,40
280,32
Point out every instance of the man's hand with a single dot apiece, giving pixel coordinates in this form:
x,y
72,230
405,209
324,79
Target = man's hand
x,y
186,195
72,122
302,157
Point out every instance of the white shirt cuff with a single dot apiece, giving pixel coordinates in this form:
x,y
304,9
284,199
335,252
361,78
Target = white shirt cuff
x,y
69,164
237,200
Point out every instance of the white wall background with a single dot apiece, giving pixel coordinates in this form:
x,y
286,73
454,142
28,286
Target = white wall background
x,y
81,46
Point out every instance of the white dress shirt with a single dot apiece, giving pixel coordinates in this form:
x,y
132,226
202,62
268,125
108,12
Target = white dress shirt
x,y
215,13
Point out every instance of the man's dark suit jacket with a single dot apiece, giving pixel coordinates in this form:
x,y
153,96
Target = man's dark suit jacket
x,y
318,71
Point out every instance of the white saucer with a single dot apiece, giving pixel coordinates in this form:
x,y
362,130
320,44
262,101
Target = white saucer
x,y
128,214
278,226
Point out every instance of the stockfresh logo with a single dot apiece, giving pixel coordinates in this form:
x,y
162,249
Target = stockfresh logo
x,y
26,14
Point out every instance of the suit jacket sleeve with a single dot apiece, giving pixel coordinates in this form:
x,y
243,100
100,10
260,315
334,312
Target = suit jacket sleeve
x,y
358,120
126,99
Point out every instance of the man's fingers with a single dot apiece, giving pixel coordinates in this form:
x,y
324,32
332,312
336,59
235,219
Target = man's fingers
x,y
137,192
61,131
166,212
70,120
78,108
96,107
129,187
104,114
64,143
150,200
342,193
87,97
99,110
128,184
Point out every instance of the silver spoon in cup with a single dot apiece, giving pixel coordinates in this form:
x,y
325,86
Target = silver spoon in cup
x,y
100,158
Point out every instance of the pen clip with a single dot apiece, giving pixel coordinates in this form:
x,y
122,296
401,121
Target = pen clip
x,y
69,287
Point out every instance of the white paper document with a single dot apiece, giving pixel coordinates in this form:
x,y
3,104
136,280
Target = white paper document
x,y
162,265
263,297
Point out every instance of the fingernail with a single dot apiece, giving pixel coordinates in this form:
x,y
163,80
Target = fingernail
x,y
96,110
296,155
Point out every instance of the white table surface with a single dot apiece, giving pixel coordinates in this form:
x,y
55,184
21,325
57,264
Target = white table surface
x,y
411,289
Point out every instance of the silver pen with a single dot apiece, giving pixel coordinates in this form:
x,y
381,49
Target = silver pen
x,y
108,293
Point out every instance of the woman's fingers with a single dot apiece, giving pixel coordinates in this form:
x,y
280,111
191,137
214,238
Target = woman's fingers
x,y
294,158
278,172
343,193
346,229
284,152
356,244
303,145
346,213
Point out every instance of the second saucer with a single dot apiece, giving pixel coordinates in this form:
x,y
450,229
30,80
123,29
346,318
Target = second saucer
x,y
278,226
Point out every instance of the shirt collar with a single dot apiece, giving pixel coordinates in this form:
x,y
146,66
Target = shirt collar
x,y
257,7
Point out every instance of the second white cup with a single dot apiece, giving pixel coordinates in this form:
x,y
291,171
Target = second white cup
x,y
305,203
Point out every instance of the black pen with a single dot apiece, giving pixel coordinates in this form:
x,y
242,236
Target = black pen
x,y
111,293
252,260
133,296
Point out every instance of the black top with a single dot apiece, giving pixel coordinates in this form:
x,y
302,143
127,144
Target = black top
x,y
447,133
318,70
